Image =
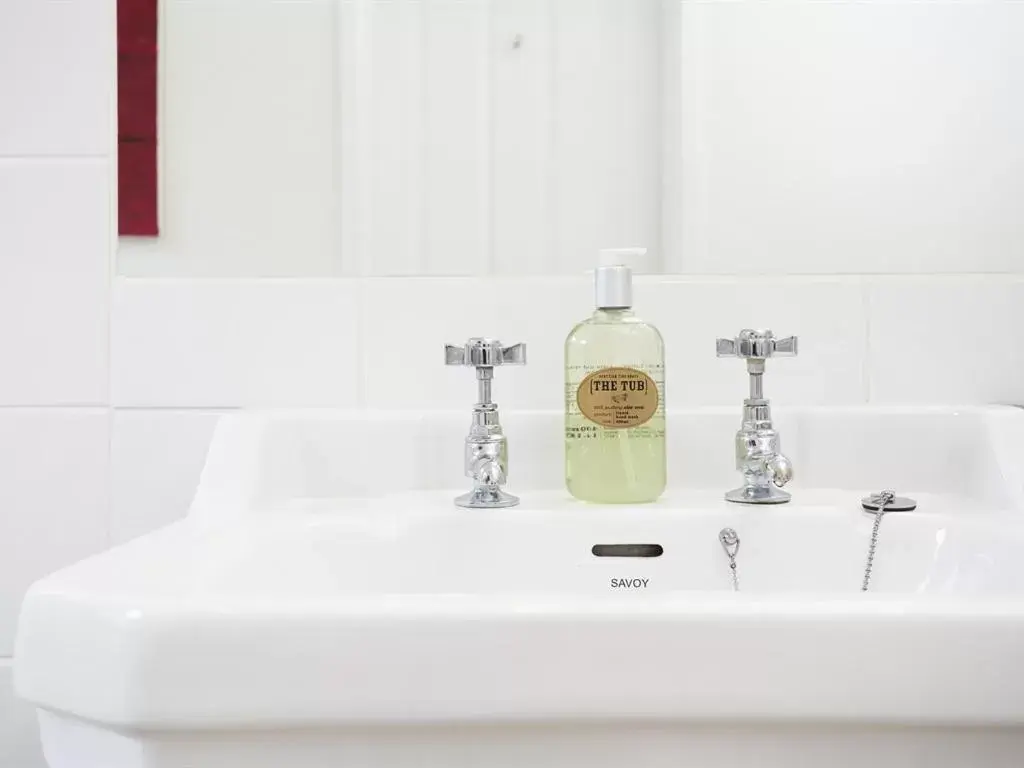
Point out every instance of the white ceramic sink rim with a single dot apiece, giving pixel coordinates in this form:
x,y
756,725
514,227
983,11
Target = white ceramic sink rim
x,y
285,655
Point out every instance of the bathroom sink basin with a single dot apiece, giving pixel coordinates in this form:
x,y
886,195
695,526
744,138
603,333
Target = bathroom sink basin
x,y
314,589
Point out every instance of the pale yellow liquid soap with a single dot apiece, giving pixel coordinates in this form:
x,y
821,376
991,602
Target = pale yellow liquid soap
x,y
615,399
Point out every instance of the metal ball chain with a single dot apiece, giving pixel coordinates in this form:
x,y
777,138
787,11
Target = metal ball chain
x,y
884,498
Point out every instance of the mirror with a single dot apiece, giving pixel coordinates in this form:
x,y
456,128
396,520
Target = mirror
x,y
516,137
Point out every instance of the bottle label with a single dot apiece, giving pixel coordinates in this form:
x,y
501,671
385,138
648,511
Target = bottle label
x,y
618,397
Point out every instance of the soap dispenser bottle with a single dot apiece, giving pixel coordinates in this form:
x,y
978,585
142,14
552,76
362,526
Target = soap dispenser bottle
x,y
615,394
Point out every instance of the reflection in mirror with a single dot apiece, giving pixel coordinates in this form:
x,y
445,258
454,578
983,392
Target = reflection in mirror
x,y
408,138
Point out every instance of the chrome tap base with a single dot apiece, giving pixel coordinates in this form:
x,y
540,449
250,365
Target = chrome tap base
x,y
486,498
749,494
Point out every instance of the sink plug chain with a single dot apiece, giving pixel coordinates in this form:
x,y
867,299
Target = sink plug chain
x,y
881,500
730,541
879,504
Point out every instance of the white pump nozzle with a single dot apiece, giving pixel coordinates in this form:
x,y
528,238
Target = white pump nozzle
x,y
613,278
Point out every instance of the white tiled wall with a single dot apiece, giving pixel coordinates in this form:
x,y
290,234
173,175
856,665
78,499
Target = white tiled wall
x,y
56,236
186,343
892,153
55,58
55,243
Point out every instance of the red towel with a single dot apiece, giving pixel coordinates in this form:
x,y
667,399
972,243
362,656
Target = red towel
x,y
136,117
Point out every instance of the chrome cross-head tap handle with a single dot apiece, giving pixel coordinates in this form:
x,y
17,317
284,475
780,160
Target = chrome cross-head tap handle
x,y
757,344
756,347
759,455
486,451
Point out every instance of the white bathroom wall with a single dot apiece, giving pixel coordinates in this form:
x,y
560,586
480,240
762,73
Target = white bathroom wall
x,y
56,241
814,150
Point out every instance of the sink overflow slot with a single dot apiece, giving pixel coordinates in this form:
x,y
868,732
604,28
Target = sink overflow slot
x,y
627,550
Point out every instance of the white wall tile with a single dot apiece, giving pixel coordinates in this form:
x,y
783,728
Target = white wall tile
x,y
851,137
57,88
156,459
827,316
19,731
407,322
246,141
216,343
946,340
53,498
55,235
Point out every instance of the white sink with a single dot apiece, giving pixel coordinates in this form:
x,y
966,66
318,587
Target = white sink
x,y
325,604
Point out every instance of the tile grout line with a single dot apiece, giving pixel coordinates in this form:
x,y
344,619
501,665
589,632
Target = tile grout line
x,y
337,259
54,158
361,345
113,241
740,278
78,407
865,298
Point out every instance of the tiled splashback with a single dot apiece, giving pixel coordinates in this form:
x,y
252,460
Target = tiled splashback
x,y
377,343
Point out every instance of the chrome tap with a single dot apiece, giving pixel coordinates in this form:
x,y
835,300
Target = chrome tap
x,y
486,453
759,455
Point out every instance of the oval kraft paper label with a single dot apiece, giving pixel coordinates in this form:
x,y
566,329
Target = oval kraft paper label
x,y
618,397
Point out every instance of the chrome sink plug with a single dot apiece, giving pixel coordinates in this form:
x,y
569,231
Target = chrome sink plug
x,y
759,455
486,453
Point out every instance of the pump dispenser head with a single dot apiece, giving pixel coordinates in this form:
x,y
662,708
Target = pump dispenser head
x,y
613,278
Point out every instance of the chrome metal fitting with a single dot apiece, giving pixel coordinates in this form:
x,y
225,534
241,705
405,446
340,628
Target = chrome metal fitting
x,y
486,449
759,456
